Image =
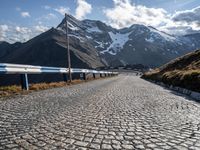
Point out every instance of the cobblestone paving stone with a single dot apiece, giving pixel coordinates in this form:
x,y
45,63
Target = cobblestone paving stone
x,y
123,112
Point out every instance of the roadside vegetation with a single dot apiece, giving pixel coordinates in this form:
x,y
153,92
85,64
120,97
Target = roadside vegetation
x,y
183,72
16,89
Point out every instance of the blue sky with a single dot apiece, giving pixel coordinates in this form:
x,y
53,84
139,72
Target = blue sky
x,y
20,20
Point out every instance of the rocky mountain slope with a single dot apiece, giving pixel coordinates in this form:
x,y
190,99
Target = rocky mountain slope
x,y
183,71
95,44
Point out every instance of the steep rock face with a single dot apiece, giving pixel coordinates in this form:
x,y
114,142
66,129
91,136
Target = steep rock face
x,y
7,48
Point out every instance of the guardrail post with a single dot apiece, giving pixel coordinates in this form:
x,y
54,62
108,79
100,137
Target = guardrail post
x,y
65,77
24,82
105,74
94,75
81,76
84,76
100,75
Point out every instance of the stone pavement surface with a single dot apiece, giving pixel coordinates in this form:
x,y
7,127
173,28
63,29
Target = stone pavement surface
x,y
123,112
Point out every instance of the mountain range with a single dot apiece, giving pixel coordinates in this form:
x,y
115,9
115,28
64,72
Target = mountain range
x,y
95,44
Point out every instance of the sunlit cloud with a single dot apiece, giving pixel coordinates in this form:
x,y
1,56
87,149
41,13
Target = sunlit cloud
x,y
125,13
25,14
41,28
83,8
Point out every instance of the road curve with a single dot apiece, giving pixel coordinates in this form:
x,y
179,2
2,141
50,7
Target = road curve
x,y
123,112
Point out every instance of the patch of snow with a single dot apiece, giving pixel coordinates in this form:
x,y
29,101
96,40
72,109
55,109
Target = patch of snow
x,y
93,29
145,49
78,37
118,42
150,40
60,29
89,37
123,62
112,53
73,28
193,45
100,44
174,52
162,34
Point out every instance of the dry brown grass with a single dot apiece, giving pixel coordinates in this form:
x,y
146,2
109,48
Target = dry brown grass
x,y
189,79
16,89
183,71
8,90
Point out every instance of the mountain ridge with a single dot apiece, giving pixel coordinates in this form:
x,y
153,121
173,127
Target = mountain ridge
x,y
98,44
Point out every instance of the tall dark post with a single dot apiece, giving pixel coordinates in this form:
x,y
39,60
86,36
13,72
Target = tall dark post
x,y
68,51
24,82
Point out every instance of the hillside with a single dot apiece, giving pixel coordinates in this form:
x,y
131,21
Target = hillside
x,y
183,71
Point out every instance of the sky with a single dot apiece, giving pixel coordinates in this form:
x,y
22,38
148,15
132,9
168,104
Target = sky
x,y
21,20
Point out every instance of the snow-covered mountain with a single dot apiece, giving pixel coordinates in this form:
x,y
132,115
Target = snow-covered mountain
x,y
137,44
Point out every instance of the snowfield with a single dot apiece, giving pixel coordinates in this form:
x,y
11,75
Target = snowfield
x,y
118,42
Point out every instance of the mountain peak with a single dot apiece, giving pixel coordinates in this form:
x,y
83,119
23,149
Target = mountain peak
x,y
71,20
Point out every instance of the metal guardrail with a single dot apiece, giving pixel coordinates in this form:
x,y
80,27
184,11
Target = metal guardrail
x,y
24,70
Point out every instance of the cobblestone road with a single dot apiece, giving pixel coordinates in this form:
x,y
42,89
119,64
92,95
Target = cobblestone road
x,y
123,112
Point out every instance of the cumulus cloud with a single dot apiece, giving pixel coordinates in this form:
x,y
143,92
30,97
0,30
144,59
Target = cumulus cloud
x,y
41,28
23,30
3,30
188,16
4,27
83,8
13,33
124,13
25,14
22,34
62,10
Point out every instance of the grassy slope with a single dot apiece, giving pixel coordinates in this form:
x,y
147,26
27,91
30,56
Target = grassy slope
x,y
183,71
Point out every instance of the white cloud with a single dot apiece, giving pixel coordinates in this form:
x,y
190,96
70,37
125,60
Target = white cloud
x,y
25,14
192,15
4,27
188,17
23,30
15,33
18,33
3,31
62,10
124,13
41,28
83,8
